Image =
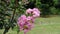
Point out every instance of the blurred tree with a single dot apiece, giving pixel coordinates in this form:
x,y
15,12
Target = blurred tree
x,y
57,6
49,2
45,6
30,4
9,12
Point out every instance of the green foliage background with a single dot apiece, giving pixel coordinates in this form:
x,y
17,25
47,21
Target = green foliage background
x,y
10,10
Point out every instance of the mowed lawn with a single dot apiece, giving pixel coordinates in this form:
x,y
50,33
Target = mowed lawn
x,y
49,25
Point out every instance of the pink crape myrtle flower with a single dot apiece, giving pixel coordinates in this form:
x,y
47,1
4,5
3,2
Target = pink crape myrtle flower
x,y
35,12
21,21
25,23
30,20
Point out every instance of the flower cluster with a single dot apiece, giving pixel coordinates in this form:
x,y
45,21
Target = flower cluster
x,y
25,23
35,12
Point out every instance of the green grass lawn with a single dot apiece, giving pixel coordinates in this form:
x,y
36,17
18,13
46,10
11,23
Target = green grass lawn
x,y
49,25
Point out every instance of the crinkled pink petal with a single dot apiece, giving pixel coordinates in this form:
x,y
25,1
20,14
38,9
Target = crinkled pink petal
x,y
23,17
28,11
36,10
29,18
35,14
